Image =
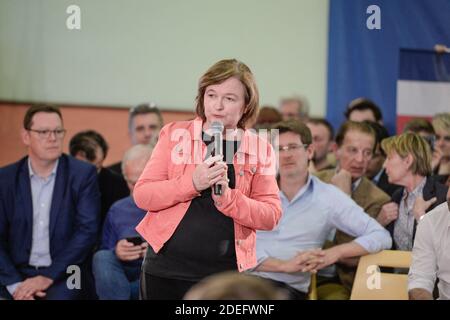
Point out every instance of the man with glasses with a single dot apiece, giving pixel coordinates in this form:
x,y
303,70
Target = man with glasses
x,y
311,210
144,123
49,214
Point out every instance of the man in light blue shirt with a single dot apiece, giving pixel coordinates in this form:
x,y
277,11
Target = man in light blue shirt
x,y
311,209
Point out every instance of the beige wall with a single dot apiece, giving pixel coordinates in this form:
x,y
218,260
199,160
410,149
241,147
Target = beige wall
x,y
112,123
129,52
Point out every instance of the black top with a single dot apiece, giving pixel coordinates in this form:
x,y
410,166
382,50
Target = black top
x,y
116,168
433,188
443,178
203,243
112,188
388,188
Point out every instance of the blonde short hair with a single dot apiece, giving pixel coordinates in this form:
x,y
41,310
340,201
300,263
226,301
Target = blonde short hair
x,y
441,121
413,144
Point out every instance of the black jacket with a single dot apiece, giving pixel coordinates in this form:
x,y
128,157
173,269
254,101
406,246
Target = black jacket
x,y
433,188
112,188
383,184
116,168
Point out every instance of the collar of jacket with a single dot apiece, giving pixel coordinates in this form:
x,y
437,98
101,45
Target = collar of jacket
x,y
249,142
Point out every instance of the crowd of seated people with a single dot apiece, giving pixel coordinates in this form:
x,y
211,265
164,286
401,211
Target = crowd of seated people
x,y
289,252
343,196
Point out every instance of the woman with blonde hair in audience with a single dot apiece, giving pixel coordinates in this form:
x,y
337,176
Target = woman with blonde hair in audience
x,y
441,125
408,164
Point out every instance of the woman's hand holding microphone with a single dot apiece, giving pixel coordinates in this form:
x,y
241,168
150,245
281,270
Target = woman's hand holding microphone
x,y
212,171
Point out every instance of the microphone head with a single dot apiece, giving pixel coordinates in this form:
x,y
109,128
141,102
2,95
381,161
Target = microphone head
x,y
216,127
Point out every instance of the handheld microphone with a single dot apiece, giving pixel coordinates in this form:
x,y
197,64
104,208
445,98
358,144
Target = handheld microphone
x,y
216,130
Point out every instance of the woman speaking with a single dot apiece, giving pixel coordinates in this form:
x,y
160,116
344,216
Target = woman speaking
x,y
209,184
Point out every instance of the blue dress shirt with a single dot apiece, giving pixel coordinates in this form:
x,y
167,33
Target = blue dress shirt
x,y
306,222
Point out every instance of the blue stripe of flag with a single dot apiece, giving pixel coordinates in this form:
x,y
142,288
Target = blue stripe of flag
x,y
424,65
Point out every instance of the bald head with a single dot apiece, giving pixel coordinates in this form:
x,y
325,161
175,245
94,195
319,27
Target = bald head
x,y
134,161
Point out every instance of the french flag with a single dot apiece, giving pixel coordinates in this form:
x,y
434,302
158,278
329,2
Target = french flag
x,y
423,86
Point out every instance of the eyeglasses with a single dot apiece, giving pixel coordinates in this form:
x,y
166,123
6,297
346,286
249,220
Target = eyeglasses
x,y
45,134
291,147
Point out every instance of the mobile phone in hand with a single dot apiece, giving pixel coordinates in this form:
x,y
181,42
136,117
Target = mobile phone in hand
x,y
135,240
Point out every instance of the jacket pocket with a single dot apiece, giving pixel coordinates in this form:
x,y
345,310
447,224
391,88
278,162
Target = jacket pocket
x,y
245,176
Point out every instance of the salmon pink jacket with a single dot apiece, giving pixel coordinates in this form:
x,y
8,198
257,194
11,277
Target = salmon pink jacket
x,y
165,188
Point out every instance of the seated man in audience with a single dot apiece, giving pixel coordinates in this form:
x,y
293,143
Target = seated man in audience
x,y
408,164
144,123
375,171
117,265
90,146
323,142
441,125
431,255
49,214
420,126
362,109
311,209
294,108
355,144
